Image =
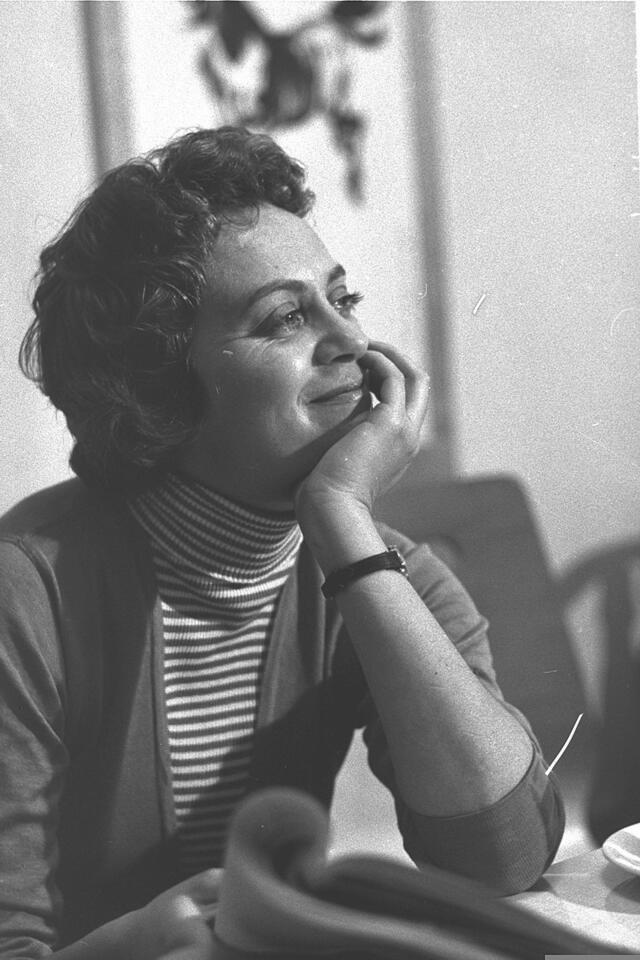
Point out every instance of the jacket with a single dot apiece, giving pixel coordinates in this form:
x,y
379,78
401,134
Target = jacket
x,y
87,827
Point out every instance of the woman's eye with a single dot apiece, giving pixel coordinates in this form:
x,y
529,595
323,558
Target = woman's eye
x,y
346,304
284,322
287,319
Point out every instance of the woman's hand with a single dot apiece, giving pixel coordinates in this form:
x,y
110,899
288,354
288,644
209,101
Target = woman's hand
x,y
334,502
377,449
176,925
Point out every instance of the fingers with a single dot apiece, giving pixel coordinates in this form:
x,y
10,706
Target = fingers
x,y
397,377
203,888
201,891
385,380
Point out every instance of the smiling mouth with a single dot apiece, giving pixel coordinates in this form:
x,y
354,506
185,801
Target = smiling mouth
x,y
348,393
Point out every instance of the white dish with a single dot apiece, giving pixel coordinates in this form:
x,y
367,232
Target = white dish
x,y
623,848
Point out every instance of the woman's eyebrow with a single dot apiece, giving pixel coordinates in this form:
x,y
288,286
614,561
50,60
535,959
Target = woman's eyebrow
x,y
336,273
288,283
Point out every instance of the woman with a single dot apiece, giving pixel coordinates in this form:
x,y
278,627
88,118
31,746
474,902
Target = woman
x,y
211,608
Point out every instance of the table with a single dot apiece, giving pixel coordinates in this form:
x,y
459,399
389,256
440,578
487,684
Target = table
x,y
590,896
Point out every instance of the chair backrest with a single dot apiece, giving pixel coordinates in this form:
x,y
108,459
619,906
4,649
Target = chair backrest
x,y
485,529
609,573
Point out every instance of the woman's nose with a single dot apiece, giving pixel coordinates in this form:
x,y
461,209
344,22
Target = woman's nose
x,y
341,340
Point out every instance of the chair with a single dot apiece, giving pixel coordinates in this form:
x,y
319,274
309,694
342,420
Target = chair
x,y
614,799
485,530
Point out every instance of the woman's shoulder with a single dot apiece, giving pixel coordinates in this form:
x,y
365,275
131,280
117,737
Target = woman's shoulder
x,y
70,550
65,513
40,509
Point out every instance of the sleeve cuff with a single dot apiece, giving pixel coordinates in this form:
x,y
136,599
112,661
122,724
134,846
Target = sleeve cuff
x,y
507,845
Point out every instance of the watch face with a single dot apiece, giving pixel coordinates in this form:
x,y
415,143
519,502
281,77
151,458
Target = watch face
x,y
402,566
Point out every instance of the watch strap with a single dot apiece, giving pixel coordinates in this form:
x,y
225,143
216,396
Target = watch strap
x,y
390,559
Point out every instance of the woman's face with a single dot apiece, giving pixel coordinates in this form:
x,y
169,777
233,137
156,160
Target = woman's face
x,y
277,347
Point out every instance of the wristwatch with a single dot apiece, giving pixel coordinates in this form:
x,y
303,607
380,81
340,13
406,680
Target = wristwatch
x,y
390,559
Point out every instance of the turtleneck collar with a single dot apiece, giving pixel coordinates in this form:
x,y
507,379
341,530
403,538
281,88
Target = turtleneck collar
x,y
219,549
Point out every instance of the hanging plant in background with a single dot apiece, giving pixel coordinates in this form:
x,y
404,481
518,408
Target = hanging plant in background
x,y
262,77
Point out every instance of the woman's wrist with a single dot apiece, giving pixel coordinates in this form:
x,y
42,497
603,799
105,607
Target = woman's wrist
x,y
338,529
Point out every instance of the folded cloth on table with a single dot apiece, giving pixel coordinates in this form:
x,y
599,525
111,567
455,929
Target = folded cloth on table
x,y
282,898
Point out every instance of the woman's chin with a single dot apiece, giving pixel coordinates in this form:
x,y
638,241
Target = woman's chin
x,y
327,435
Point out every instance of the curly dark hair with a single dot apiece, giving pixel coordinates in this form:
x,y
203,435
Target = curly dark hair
x,y
119,290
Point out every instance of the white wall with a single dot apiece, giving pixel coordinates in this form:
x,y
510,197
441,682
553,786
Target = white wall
x,y
538,126
46,165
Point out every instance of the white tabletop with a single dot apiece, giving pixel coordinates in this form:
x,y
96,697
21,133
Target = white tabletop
x,y
590,896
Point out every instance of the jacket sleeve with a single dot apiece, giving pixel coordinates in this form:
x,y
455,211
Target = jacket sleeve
x,y
509,844
33,758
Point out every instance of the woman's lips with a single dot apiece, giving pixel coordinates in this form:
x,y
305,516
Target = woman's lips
x,y
347,393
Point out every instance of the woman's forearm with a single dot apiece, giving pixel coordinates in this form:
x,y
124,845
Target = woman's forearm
x,y
455,748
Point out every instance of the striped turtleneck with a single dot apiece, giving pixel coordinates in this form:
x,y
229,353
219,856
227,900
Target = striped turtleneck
x,y
220,568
